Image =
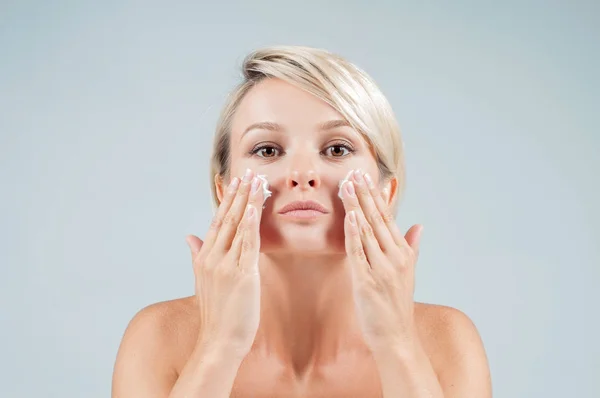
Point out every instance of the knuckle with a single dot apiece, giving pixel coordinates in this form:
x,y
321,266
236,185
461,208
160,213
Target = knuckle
x,y
204,265
388,217
353,207
198,262
366,230
366,285
361,190
375,218
229,219
247,246
216,222
241,228
359,253
402,269
244,190
355,233
405,252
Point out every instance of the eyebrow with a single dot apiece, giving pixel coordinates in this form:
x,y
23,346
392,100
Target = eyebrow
x,y
271,126
332,124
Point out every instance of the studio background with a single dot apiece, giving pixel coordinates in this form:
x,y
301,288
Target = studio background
x,y
107,112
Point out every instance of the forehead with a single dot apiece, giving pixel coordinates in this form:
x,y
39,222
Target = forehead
x,y
273,100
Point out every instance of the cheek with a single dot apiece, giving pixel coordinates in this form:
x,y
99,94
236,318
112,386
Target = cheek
x,y
240,160
238,167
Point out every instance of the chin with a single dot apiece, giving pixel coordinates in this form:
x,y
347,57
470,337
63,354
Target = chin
x,y
301,240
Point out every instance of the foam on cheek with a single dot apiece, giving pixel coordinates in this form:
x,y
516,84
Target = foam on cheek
x,y
341,183
265,187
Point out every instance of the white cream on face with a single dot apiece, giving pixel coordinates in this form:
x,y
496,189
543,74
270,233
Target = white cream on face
x,y
267,193
341,183
265,186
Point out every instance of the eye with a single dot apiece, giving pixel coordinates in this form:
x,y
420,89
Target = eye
x,y
265,151
339,150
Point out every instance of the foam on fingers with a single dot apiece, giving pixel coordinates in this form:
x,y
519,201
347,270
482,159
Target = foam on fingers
x,y
265,186
341,183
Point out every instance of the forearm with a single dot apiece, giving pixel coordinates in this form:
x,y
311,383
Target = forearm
x,y
210,372
406,372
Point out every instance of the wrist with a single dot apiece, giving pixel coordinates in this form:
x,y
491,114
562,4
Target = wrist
x,y
401,348
218,349
209,372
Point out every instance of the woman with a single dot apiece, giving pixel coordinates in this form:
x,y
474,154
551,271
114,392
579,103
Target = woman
x,y
309,292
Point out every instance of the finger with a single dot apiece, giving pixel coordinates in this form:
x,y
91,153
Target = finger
x,y
256,200
385,211
236,245
234,215
369,242
354,247
372,214
195,244
371,245
250,243
217,221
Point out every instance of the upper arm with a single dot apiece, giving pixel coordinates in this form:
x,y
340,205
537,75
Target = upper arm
x,y
143,367
462,368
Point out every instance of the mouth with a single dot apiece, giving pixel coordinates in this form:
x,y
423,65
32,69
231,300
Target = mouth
x,y
307,209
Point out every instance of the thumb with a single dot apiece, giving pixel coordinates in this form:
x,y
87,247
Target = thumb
x,y
195,244
413,238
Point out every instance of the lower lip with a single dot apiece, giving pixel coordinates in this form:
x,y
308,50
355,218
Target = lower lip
x,y
303,213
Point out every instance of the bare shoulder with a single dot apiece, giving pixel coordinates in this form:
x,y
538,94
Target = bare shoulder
x,y
154,343
454,347
162,321
437,321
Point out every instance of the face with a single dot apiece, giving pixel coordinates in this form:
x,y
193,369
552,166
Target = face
x,y
304,148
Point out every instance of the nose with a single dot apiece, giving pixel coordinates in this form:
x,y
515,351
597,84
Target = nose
x,y
303,179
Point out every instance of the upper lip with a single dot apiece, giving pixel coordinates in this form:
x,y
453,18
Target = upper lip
x,y
303,205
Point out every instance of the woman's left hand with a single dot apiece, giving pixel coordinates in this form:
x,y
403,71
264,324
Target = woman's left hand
x,y
383,263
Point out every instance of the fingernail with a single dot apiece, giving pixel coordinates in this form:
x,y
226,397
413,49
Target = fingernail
x,y
250,212
349,188
255,185
352,217
247,176
233,185
369,180
358,176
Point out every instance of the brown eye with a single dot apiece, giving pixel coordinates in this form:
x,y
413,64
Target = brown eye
x,y
266,152
338,150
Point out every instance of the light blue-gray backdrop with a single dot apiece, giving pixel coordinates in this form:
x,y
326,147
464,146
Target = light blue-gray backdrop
x,y
107,111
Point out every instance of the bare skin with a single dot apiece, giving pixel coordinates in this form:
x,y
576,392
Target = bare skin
x,y
308,342
171,328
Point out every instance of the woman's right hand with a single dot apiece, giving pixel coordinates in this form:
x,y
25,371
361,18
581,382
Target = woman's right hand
x,y
226,269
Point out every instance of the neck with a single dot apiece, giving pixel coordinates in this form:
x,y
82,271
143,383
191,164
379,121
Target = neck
x,y
307,309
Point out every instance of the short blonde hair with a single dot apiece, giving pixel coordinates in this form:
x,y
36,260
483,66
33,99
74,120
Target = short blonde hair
x,y
341,84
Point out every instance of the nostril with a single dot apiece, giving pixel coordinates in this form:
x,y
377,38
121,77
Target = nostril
x,y
295,182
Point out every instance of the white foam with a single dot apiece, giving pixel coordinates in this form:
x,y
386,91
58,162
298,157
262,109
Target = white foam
x,y
265,187
341,183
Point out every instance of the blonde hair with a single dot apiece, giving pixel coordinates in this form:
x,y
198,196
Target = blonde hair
x,y
341,84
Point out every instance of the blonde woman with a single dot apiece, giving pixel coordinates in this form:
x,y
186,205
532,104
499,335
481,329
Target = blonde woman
x,y
304,284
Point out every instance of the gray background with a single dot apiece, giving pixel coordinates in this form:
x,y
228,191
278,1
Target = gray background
x,y
107,111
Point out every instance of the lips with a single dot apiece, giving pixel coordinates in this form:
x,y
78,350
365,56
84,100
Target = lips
x,y
303,206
